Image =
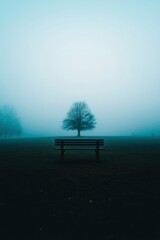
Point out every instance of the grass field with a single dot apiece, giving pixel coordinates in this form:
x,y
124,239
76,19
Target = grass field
x,y
42,197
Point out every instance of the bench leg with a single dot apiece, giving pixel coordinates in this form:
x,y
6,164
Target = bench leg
x,y
97,155
97,150
62,150
62,155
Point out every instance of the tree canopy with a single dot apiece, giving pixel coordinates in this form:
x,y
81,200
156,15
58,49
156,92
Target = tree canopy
x,y
79,118
9,122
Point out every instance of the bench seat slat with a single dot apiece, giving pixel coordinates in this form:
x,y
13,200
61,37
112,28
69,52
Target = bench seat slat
x,y
78,144
80,141
79,149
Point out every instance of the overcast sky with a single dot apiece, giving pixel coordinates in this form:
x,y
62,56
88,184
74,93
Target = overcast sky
x,y
104,52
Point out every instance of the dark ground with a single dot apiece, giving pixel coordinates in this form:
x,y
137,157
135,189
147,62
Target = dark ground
x,y
116,198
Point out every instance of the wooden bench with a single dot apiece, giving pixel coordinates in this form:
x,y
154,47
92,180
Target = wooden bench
x,y
79,144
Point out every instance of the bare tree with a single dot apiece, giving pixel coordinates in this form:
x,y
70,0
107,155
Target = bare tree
x,y
79,118
9,122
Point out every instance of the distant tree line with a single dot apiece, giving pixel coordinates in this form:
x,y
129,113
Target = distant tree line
x,y
78,118
9,122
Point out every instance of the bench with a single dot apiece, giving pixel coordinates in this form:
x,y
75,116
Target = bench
x,y
79,144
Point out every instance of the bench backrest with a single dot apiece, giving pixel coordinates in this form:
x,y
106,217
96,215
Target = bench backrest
x,y
79,142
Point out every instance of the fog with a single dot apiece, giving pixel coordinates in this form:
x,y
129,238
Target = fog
x,y
106,53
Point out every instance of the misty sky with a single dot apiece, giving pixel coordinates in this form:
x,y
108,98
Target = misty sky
x,y
104,52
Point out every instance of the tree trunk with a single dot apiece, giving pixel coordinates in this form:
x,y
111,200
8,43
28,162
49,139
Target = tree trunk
x,y
78,133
